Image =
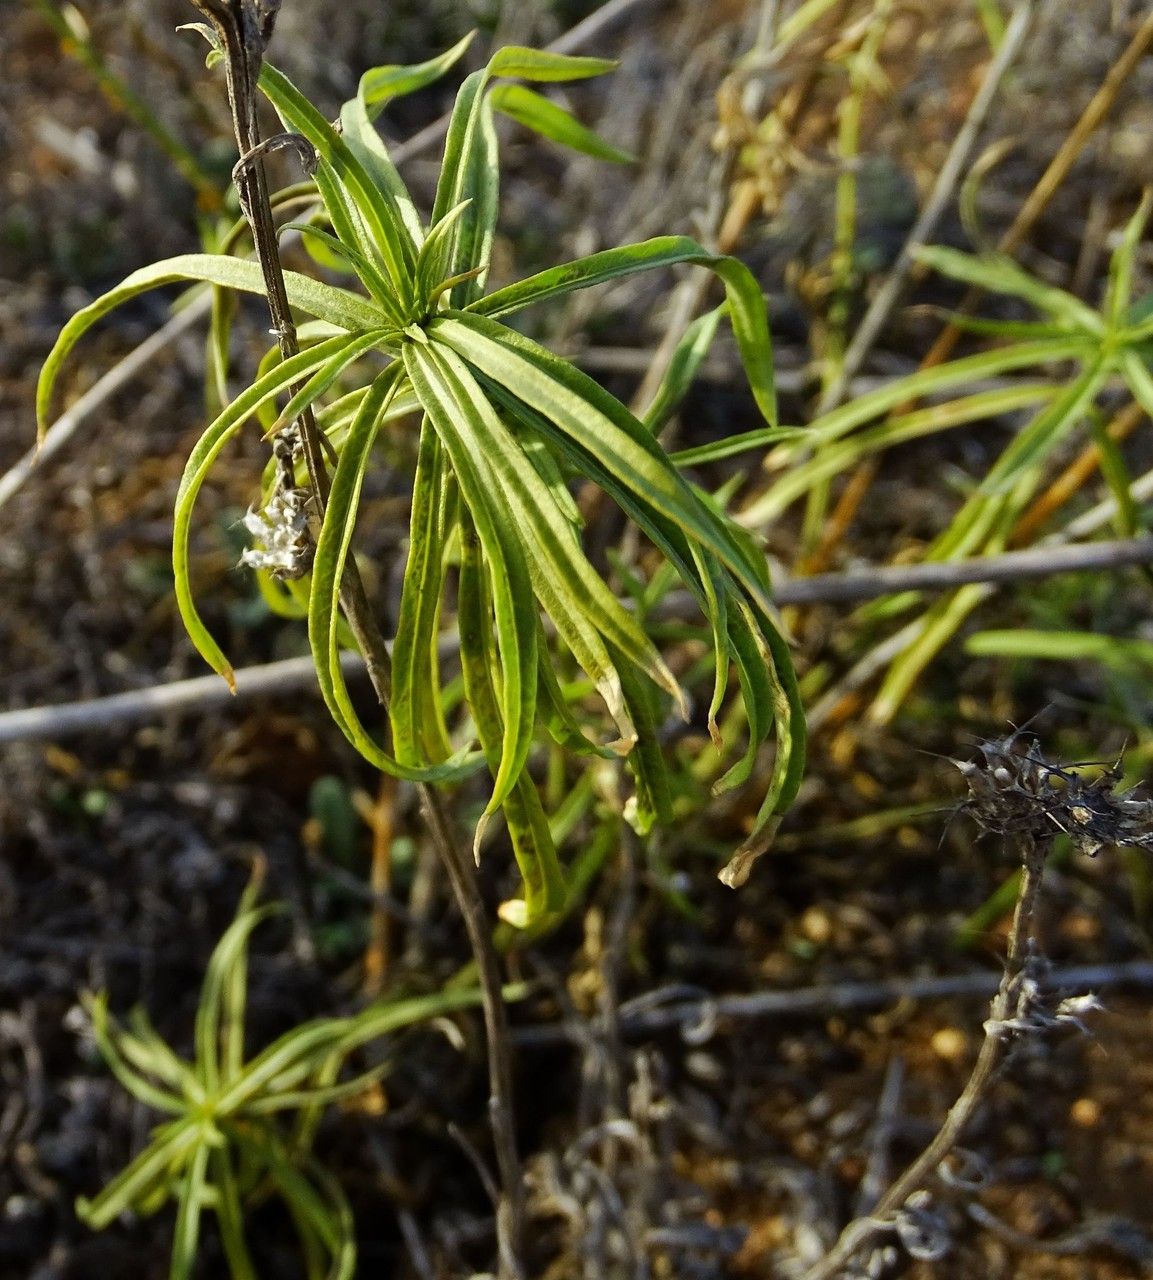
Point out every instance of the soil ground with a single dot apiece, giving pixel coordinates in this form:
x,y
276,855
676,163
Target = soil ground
x,y
124,852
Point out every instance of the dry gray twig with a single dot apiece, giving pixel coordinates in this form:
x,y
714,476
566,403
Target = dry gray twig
x,y
648,1015
202,692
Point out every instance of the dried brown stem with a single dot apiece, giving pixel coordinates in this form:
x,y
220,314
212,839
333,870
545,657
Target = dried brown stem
x,y
1034,852
1051,179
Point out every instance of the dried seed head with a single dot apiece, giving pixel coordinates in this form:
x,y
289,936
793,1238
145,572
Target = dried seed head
x,y
1014,791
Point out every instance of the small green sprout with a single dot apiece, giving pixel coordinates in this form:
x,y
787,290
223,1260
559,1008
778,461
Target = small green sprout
x,y
242,1130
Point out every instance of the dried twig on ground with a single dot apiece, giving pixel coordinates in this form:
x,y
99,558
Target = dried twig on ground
x,y
684,1007
203,692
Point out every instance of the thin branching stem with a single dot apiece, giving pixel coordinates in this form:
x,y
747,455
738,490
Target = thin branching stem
x,y
238,27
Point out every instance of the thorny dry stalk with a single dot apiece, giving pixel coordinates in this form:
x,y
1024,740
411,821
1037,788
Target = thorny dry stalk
x,y
1034,853
1017,794
244,28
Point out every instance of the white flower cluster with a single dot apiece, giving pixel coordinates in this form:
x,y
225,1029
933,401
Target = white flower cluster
x,y
281,528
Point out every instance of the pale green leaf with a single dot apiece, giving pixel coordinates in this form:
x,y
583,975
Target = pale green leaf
x,y
381,85
533,848
518,63
512,598
682,370
551,121
350,191
999,274
190,1205
469,172
171,1146
346,310
418,727
204,454
557,564
332,550
744,299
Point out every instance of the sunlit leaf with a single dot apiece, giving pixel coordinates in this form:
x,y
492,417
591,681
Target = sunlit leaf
x,y
551,121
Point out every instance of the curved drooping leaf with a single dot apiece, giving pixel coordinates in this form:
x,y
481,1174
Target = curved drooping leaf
x,y
551,121
512,598
745,302
332,550
557,564
604,442
280,378
348,311
583,411
381,85
533,847
418,728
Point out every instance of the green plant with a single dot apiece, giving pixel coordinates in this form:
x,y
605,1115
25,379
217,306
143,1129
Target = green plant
x,y
1104,345
505,429
240,1131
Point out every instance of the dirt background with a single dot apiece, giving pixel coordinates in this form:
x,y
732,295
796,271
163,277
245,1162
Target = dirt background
x,y
124,851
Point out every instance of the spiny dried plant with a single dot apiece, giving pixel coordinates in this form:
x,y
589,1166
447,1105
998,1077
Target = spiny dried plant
x,y
1016,793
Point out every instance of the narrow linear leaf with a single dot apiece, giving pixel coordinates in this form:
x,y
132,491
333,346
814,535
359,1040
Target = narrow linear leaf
x,y
346,310
557,563
544,886
999,274
204,454
381,85
332,550
518,63
418,727
190,1205
513,604
584,412
381,207
686,361
744,299
552,121
469,172
171,1145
